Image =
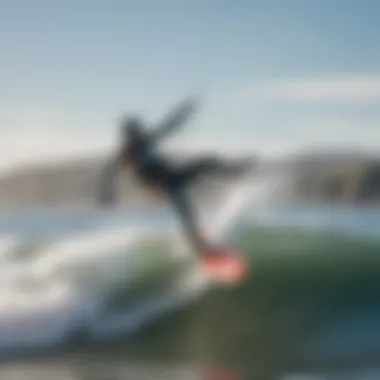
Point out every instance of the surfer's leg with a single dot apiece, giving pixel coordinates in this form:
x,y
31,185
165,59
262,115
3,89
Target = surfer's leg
x,y
184,209
205,166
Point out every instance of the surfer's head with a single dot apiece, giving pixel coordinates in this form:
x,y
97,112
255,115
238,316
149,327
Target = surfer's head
x,y
132,128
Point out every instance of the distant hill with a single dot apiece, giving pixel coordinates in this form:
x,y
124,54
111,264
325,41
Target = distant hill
x,y
75,183
345,177
317,177
351,181
59,184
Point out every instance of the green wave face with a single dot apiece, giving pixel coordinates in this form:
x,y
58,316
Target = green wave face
x,y
299,280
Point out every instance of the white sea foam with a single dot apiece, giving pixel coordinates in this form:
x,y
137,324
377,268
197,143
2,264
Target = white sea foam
x,y
49,294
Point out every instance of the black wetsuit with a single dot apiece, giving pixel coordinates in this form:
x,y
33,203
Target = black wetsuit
x,y
154,170
158,172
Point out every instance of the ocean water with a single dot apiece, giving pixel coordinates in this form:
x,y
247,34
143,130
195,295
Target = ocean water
x,y
105,295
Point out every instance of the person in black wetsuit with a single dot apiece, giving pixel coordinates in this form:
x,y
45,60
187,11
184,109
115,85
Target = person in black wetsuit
x,y
138,152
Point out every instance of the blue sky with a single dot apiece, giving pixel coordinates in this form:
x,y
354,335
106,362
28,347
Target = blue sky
x,y
273,74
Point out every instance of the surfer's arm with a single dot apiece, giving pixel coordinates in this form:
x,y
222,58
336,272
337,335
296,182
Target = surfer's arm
x,y
175,119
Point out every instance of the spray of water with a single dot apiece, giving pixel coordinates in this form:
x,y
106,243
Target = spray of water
x,y
63,287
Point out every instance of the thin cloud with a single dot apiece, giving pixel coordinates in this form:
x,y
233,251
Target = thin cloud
x,y
36,133
27,148
40,134
351,88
